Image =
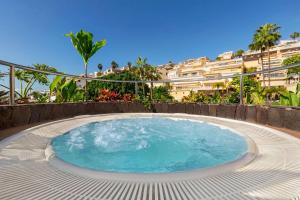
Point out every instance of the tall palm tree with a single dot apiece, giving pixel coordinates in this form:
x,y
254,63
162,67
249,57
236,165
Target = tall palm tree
x,y
266,37
238,53
141,63
258,46
114,65
295,35
100,67
129,65
151,74
86,47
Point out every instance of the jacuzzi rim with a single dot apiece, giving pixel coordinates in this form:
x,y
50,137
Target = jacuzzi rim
x,y
240,162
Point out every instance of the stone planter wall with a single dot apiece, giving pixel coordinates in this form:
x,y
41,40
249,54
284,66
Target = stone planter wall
x,y
283,117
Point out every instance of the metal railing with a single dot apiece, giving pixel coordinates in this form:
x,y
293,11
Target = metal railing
x,y
13,66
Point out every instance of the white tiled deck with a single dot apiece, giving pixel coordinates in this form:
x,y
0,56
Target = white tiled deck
x,y
26,173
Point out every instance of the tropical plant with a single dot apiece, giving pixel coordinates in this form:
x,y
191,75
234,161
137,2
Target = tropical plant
x,y
196,97
66,90
107,95
3,96
100,67
151,74
86,47
215,98
218,85
295,35
129,65
114,65
257,98
141,63
265,37
293,60
250,84
123,88
238,53
162,94
289,98
29,78
40,97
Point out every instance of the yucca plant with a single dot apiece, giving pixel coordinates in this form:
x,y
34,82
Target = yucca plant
x,y
86,47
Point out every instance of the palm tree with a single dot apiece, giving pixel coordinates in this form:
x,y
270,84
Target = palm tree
x,y
258,46
86,47
151,74
31,77
100,67
114,65
129,65
140,70
295,35
238,53
266,37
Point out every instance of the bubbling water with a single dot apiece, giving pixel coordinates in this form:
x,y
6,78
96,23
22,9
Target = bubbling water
x,y
149,145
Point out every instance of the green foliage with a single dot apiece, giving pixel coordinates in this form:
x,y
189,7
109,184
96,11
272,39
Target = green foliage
x,y
265,36
66,90
4,96
114,65
196,97
218,58
29,78
250,84
238,53
122,88
84,44
288,98
293,60
295,35
100,67
40,97
162,94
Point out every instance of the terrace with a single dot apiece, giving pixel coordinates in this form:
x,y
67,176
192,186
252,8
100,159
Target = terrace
x,y
31,169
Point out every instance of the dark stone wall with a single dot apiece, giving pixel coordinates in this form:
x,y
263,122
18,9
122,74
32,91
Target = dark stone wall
x,y
19,115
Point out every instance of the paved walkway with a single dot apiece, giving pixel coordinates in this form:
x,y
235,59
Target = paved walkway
x,y
25,172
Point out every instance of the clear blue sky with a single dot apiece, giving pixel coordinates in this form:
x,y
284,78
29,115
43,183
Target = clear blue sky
x,y
32,31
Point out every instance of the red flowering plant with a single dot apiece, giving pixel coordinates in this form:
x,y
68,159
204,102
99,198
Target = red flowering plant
x,y
128,97
107,95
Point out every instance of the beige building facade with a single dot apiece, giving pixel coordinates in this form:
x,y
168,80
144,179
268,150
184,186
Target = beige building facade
x,y
205,71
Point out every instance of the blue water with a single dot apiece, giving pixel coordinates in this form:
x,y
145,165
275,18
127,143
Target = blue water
x,y
148,145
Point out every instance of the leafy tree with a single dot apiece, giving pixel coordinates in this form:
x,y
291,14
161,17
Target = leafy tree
x,y
121,88
100,67
114,65
288,98
86,47
238,53
218,58
129,65
66,90
250,84
295,35
218,85
196,97
141,63
293,60
162,94
29,78
265,38
40,97
151,74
